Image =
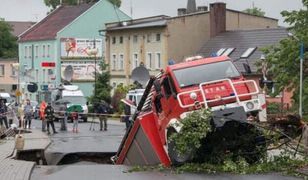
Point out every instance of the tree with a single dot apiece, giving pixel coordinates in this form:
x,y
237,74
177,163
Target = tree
x,y
254,11
8,42
54,3
283,60
102,87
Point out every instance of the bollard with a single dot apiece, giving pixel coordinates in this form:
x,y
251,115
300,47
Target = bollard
x,y
305,138
19,142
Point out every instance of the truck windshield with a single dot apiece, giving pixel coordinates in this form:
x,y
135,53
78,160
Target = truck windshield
x,y
75,100
192,76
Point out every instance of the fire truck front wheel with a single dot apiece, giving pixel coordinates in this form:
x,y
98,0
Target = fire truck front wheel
x,y
176,157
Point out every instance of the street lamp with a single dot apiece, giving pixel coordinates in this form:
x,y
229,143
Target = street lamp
x,y
301,73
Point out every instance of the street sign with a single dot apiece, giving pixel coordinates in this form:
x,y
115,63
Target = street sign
x,y
44,87
18,93
48,64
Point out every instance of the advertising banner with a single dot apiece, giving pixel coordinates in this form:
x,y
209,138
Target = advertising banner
x,y
82,70
81,48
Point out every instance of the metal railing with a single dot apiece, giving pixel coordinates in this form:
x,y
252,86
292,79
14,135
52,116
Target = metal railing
x,y
235,94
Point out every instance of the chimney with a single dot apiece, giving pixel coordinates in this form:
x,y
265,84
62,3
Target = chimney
x,y
191,6
217,18
181,11
202,8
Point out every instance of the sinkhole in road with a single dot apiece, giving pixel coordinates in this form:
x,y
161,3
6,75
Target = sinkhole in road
x,y
86,157
38,156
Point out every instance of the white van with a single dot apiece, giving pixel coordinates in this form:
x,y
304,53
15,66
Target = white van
x,y
74,96
135,97
7,97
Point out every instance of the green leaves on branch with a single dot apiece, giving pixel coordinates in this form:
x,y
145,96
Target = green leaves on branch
x,y
254,11
54,3
195,127
102,88
283,60
8,42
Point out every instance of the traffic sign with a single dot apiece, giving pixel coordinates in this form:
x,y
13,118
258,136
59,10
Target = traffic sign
x,y
18,93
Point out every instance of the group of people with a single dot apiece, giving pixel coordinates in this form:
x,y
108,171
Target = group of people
x,y
25,114
3,114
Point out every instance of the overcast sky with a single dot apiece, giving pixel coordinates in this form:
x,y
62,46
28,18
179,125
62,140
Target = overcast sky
x,y
33,10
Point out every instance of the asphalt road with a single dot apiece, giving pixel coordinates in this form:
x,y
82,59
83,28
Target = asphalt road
x,y
65,143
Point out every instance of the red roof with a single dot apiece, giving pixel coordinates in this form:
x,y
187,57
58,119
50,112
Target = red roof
x,y
54,22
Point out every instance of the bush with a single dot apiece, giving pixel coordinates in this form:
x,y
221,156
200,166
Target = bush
x,y
273,108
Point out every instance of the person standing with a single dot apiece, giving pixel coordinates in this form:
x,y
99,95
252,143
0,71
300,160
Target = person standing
x,y
63,119
21,114
127,113
75,121
3,114
28,110
103,111
49,112
42,115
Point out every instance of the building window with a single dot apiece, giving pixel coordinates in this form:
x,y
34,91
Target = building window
x,y
121,39
2,70
44,53
26,52
113,40
135,61
37,75
158,37
135,38
159,63
228,51
36,51
121,62
248,52
149,38
220,51
114,62
13,71
48,50
30,52
149,61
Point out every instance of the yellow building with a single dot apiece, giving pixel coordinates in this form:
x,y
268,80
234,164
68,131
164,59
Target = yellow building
x,y
156,40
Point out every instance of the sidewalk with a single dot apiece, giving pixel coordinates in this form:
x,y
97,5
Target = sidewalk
x,y
12,169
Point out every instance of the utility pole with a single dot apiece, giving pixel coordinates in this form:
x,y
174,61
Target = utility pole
x,y
94,47
301,79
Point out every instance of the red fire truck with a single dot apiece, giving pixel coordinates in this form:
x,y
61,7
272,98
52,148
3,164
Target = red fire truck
x,y
213,83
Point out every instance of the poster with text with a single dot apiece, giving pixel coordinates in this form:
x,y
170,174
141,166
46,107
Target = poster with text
x,y
82,70
81,48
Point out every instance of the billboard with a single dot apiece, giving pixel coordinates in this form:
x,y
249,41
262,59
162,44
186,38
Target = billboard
x,y
82,70
81,48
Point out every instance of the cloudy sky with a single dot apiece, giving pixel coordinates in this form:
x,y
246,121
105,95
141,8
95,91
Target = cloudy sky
x,y
33,10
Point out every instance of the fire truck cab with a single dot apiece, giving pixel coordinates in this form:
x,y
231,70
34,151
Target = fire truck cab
x,y
213,83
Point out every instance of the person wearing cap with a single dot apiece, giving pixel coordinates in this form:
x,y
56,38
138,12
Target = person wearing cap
x,y
49,113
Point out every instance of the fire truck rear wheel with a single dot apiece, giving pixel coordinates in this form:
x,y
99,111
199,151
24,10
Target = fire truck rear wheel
x,y
175,157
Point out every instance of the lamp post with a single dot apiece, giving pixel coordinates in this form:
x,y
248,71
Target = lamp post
x,y
301,74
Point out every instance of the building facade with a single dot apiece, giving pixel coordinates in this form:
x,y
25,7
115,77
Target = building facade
x,y
8,75
69,36
155,41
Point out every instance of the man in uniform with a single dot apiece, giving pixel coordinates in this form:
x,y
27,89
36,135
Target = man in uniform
x,y
49,112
